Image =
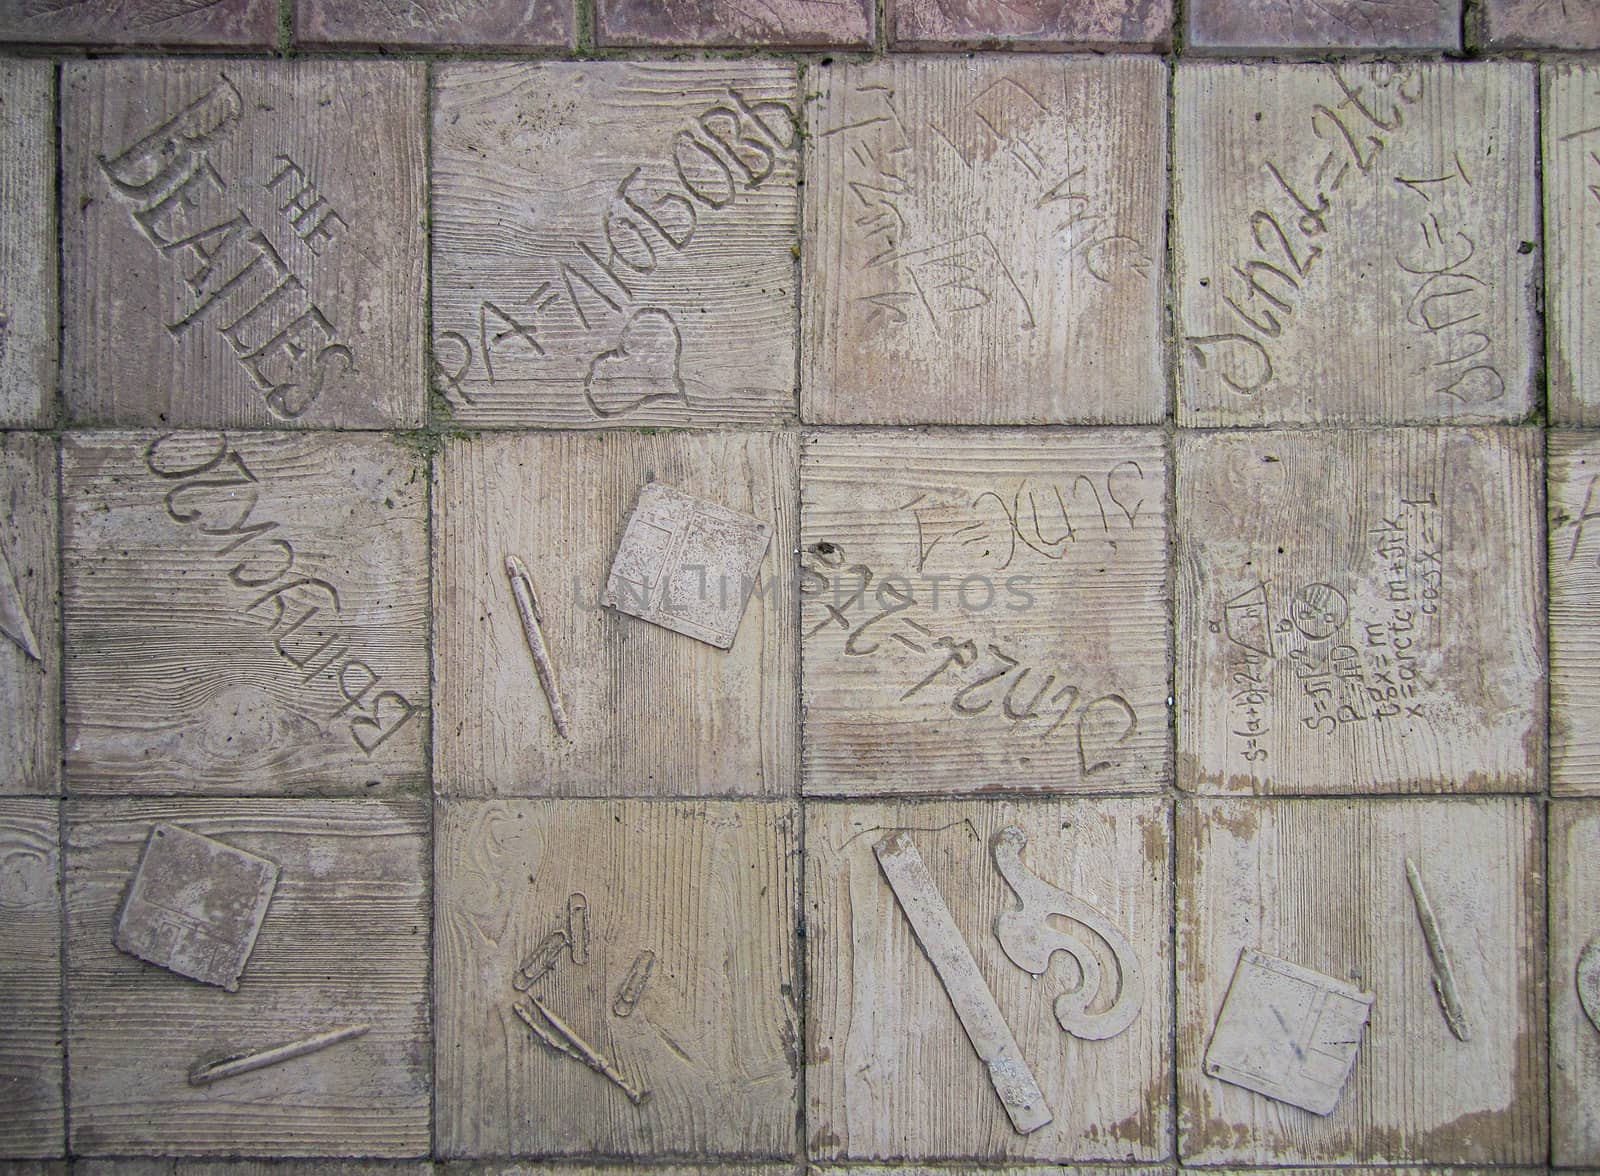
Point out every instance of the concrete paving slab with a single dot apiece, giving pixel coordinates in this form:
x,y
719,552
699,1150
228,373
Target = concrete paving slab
x,y
1574,1031
800,24
215,23
1240,26
436,24
30,683
1571,138
1029,24
32,1121
28,310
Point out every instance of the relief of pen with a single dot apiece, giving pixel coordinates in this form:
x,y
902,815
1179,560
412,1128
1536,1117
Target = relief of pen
x,y
533,630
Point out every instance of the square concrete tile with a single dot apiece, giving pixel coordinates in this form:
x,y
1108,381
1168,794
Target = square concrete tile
x,y
1029,24
30,617
248,613
1574,582
737,23
1360,611
241,23
651,712
893,1075
1356,243
28,307
1571,140
31,1054
1323,884
171,1167
541,1168
984,241
613,242
345,942
1248,26
436,24
983,611
1575,982
698,898
1539,24
243,243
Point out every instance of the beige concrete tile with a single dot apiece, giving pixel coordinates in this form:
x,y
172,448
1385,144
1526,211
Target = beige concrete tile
x,y
892,1075
30,607
709,888
651,711
1574,580
243,243
1323,884
1355,243
1571,116
984,240
31,1057
1574,933
345,941
28,307
248,613
613,242
984,611
1360,611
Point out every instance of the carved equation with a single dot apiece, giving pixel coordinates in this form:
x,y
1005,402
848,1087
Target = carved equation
x,y
234,280
217,496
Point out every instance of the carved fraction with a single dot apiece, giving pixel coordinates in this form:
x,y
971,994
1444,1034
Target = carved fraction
x,y
581,1049
243,1063
1588,981
13,618
1029,940
985,1026
1288,1032
633,984
687,564
533,630
578,926
195,906
1444,975
542,960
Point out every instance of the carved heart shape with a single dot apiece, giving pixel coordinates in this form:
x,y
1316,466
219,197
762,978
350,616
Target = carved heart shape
x,y
643,366
1589,980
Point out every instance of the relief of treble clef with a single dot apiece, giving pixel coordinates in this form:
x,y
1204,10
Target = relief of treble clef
x,y
1029,940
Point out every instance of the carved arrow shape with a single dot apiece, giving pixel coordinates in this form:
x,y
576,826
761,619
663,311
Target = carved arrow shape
x,y
13,620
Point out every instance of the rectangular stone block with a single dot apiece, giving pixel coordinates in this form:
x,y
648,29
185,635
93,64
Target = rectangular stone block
x,y
1360,611
892,1074
1355,243
436,24
1571,116
241,23
1538,24
31,1058
243,243
651,711
171,1167
1575,983
679,976
1029,24
984,611
737,23
27,242
30,617
1574,583
613,242
983,241
1249,26
345,942
1323,884
248,613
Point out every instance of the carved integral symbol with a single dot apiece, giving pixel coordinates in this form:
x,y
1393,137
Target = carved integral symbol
x,y
1589,980
986,1028
1029,941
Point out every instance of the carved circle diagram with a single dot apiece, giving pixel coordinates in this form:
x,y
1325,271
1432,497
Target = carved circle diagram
x,y
1318,610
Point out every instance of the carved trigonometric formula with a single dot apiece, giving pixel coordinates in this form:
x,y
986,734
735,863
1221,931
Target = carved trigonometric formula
x,y
1029,939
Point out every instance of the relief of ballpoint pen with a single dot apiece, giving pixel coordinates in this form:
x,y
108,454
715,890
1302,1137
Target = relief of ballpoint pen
x,y
533,630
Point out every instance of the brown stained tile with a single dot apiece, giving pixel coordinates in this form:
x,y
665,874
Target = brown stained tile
x,y
507,24
1029,24
1540,24
233,23
795,23
28,312
243,243
344,942
1317,26
31,1059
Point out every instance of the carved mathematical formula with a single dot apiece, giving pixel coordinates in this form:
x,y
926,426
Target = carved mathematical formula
x,y
281,290
632,265
1363,248
983,233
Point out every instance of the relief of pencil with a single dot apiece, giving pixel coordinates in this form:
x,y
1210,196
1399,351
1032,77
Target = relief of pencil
x,y
533,631
242,1063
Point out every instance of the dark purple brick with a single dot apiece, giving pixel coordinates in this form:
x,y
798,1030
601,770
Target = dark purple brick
x,y
1541,24
797,23
1314,26
233,23
1030,24
506,24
